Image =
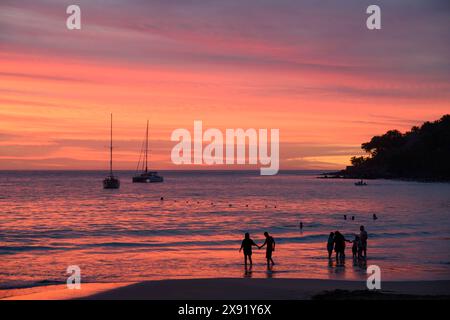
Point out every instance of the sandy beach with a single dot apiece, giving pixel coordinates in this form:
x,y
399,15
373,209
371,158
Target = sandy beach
x,y
235,289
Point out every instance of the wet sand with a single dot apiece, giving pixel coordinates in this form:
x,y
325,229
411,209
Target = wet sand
x,y
241,289
58,292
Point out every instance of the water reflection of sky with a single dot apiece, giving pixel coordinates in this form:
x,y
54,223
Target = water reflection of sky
x,y
129,235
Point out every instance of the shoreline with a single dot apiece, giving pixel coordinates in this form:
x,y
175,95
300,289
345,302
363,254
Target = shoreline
x,y
331,176
235,289
58,291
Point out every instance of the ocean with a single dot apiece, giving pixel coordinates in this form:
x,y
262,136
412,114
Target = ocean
x,y
50,220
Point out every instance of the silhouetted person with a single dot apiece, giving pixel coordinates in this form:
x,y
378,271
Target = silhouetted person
x,y
247,244
375,217
353,218
356,248
330,244
363,236
270,247
345,217
339,246
301,225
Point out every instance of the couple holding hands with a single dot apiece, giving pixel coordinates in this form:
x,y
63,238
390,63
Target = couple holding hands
x,y
247,244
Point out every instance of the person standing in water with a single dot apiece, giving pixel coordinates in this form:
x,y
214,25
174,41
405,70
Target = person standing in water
x,y
270,242
330,244
247,244
339,247
356,252
363,238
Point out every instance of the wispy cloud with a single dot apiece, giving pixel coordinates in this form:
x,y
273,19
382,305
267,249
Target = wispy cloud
x,y
309,68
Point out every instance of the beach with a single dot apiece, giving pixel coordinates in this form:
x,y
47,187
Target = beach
x,y
240,289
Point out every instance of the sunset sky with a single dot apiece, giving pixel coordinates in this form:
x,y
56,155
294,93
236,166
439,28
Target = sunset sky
x,y
310,68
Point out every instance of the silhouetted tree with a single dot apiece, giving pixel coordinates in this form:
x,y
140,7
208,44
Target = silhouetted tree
x,y
357,161
422,153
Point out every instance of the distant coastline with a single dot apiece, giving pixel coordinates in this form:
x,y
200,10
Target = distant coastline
x,y
421,154
102,171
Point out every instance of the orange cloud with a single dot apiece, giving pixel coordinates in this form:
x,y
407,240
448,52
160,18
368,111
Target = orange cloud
x,y
327,90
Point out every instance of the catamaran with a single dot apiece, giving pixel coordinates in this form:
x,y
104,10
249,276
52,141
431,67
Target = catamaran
x,y
145,176
111,182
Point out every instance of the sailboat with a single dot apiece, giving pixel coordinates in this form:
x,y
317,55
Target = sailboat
x,y
111,182
146,176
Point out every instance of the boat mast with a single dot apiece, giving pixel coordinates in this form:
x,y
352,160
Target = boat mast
x,y
146,150
110,152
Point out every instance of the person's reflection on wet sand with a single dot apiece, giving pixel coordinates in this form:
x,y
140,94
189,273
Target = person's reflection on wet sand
x,y
331,267
339,271
330,263
248,272
269,271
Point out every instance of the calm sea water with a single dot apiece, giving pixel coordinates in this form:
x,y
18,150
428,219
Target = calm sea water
x,y
50,220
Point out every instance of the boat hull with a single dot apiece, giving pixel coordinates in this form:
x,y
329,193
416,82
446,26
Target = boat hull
x,y
148,178
111,183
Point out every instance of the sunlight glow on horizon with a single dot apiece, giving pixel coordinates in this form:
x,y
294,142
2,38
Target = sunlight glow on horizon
x,y
286,69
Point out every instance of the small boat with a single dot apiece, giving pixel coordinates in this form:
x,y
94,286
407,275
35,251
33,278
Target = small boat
x,y
111,182
360,183
145,176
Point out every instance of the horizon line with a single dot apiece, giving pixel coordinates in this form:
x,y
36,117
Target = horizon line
x,y
160,170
